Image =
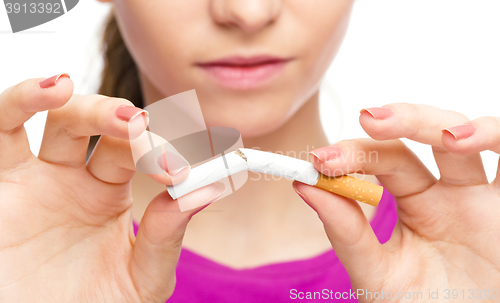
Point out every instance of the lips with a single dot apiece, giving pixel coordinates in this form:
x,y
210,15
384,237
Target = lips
x,y
244,72
244,61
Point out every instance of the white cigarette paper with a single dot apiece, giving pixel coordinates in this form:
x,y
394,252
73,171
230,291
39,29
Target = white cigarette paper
x,y
256,161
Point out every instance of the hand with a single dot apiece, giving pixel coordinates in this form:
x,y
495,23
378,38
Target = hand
x,y
66,225
448,231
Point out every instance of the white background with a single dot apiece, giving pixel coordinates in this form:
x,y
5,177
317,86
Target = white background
x,y
445,53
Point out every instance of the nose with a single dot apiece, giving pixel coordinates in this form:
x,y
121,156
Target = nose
x,y
248,15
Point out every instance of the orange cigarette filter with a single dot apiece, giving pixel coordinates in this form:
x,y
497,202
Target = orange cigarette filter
x,y
351,187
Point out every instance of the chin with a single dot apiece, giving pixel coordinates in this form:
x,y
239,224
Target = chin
x,y
249,126
256,130
253,114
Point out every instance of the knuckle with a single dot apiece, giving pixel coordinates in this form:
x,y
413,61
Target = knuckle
x,y
407,109
17,92
104,100
354,152
412,111
67,131
116,151
460,117
443,150
100,106
97,106
412,119
101,101
11,131
358,144
350,145
493,121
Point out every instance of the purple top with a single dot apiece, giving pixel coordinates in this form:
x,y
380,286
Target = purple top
x,y
201,280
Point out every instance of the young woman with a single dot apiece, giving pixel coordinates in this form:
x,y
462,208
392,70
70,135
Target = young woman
x,y
256,65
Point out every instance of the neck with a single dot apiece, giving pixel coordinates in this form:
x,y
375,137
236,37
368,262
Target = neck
x,y
301,134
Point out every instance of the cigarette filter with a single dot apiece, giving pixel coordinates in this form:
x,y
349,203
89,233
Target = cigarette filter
x,y
351,187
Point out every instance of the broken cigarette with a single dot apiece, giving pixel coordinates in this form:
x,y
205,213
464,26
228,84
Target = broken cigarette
x,y
277,165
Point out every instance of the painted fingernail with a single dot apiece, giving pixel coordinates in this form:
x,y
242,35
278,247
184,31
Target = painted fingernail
x,y
301,195
128,113
326,153
221,189
461,131
51,81
171,163
378,113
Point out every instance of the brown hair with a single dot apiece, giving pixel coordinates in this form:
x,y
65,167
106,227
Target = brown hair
x,y
119,77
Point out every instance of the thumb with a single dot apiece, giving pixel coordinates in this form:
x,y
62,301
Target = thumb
x,y
350,234
159,239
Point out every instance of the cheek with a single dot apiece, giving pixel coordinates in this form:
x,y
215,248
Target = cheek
x,y
159,39
323,27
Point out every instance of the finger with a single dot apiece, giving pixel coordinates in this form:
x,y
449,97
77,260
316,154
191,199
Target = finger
x,y
473,137
496,182
112,161
68,129
159,239
397,168
459,170
417,122
20,102
424,124
350,234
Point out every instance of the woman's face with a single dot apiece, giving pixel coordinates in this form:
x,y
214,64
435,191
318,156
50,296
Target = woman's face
x,y
253,63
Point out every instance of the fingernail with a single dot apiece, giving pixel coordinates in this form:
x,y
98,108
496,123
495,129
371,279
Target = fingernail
x,y
301,195
51,81
461,131
326,153
128,113
378,113
172,163
221,189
